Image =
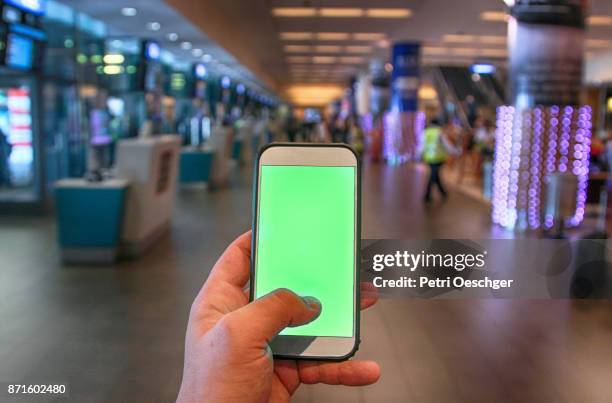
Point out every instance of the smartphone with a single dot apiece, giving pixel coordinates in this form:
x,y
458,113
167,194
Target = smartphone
x,y
306,236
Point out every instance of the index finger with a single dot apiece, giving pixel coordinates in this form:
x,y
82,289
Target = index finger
x,y
233,267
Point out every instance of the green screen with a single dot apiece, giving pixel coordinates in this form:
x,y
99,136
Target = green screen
x,y
306,241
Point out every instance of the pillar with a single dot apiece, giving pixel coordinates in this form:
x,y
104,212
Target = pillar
x,y
543,131
403,123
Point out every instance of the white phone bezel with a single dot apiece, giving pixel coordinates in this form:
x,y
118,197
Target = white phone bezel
x,y
308,155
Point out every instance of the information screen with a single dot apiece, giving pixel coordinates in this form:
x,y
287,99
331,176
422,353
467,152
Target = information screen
x,y
306,241
19,52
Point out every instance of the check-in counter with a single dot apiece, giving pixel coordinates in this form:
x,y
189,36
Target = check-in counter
x,y
221,142
196,165
89,219
151,166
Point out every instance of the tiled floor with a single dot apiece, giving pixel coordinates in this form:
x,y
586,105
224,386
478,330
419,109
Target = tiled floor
x,y
116,333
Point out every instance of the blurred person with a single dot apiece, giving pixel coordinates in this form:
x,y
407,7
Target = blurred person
x,y
356,137
227,355
471,109
453,133
608,145
465,144
484,141
597,163
292,128
5,154
436,150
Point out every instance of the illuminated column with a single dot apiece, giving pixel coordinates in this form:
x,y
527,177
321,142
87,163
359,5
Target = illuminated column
x,y
544,130
403,124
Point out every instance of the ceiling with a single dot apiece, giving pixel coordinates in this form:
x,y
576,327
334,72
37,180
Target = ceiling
x,y
279,52
173,31
290,50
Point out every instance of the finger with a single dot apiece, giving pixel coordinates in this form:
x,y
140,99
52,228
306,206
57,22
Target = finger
x,y
348,373
287,372
274,312
233,266
369,295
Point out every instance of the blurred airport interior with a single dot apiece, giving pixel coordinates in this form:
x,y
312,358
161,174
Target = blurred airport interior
x,y
128,134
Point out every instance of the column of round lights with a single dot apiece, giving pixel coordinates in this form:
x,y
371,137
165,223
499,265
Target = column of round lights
x,y
524,159
566,128
582,149
501,171
551,154
496,158
552,139
515,163
391,132
535,185
419,128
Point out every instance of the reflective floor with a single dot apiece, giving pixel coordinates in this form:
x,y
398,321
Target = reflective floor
x,y
116,333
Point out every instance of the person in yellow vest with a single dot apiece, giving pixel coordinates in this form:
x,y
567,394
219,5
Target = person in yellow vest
x,y
437,148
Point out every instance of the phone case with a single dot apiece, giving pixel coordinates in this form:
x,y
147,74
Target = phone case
x,y
358,241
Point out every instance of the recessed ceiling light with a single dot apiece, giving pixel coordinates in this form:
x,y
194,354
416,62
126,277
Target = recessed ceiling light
x,y
388,12
351,59
493,52
172,37
358,49
298,59
206,58
129,11
599,20
598,43
459,38
383,43
294,12
493,39
297,48
340,12
464,51
197,52
153,26
368,36
332,36
432,50
494,16
328,49
323,59
295,36
186,45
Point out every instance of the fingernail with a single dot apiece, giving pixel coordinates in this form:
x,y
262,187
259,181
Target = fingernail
x,y
312,303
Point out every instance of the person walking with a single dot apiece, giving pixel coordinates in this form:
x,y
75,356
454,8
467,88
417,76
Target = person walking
x,y
436,150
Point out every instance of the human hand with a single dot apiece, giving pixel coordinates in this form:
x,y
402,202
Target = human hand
x,y
227,357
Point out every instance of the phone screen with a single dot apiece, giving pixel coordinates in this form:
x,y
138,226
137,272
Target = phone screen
x,y
306,241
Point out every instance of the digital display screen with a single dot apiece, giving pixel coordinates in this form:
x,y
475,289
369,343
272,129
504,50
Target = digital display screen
x,y
19,52
32,6
306,241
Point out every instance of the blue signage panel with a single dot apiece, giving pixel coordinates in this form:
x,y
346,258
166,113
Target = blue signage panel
x,y
406,75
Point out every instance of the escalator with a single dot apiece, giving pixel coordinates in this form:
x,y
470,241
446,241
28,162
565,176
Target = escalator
x,y
455,85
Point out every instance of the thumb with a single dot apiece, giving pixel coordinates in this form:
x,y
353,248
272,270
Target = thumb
x,y
270,314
